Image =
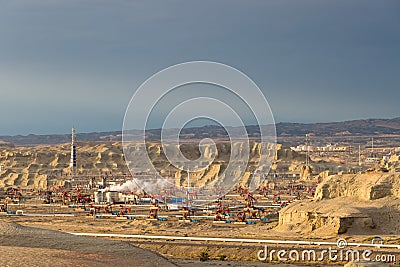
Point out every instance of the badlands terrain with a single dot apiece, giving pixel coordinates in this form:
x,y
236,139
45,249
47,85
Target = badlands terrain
x,y
357,205
37,167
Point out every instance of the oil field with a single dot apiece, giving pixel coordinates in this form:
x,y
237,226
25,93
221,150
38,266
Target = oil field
x,y
312,196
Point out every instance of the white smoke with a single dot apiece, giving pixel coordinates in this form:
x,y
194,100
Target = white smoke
x,y
132,187
127,187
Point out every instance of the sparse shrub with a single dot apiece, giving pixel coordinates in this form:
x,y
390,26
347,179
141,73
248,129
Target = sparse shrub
x,y
204,255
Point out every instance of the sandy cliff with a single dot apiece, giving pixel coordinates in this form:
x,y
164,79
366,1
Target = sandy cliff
x,y
360,203
39,166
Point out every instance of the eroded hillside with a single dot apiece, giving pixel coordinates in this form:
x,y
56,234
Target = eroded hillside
x,y
40,166
365,203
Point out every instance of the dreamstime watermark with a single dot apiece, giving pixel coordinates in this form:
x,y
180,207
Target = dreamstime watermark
x,y
331,254
238,97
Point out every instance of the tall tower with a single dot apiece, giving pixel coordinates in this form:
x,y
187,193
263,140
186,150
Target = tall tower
x,y
307,149
72,163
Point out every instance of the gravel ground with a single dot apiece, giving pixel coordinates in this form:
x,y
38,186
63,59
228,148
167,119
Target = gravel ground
x,y
27,246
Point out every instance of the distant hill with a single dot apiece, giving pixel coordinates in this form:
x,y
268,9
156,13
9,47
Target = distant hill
x,y
354,127
50,139
5,144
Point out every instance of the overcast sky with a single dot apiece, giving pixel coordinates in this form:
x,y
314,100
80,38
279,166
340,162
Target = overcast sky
x,y
65,63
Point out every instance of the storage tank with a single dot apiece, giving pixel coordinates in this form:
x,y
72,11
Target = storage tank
x,y
112,196
99,196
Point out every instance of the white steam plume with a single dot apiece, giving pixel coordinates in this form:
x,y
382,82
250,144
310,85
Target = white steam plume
x,y
131,186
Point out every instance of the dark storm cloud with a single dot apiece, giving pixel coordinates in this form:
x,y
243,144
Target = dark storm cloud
x,y
66,63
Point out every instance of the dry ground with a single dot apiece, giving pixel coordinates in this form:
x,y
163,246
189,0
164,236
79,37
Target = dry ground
x,y
27,246
43,238
38,241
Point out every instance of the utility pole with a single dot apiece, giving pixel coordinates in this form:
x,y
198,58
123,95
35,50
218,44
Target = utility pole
x,y
188,188
372,148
